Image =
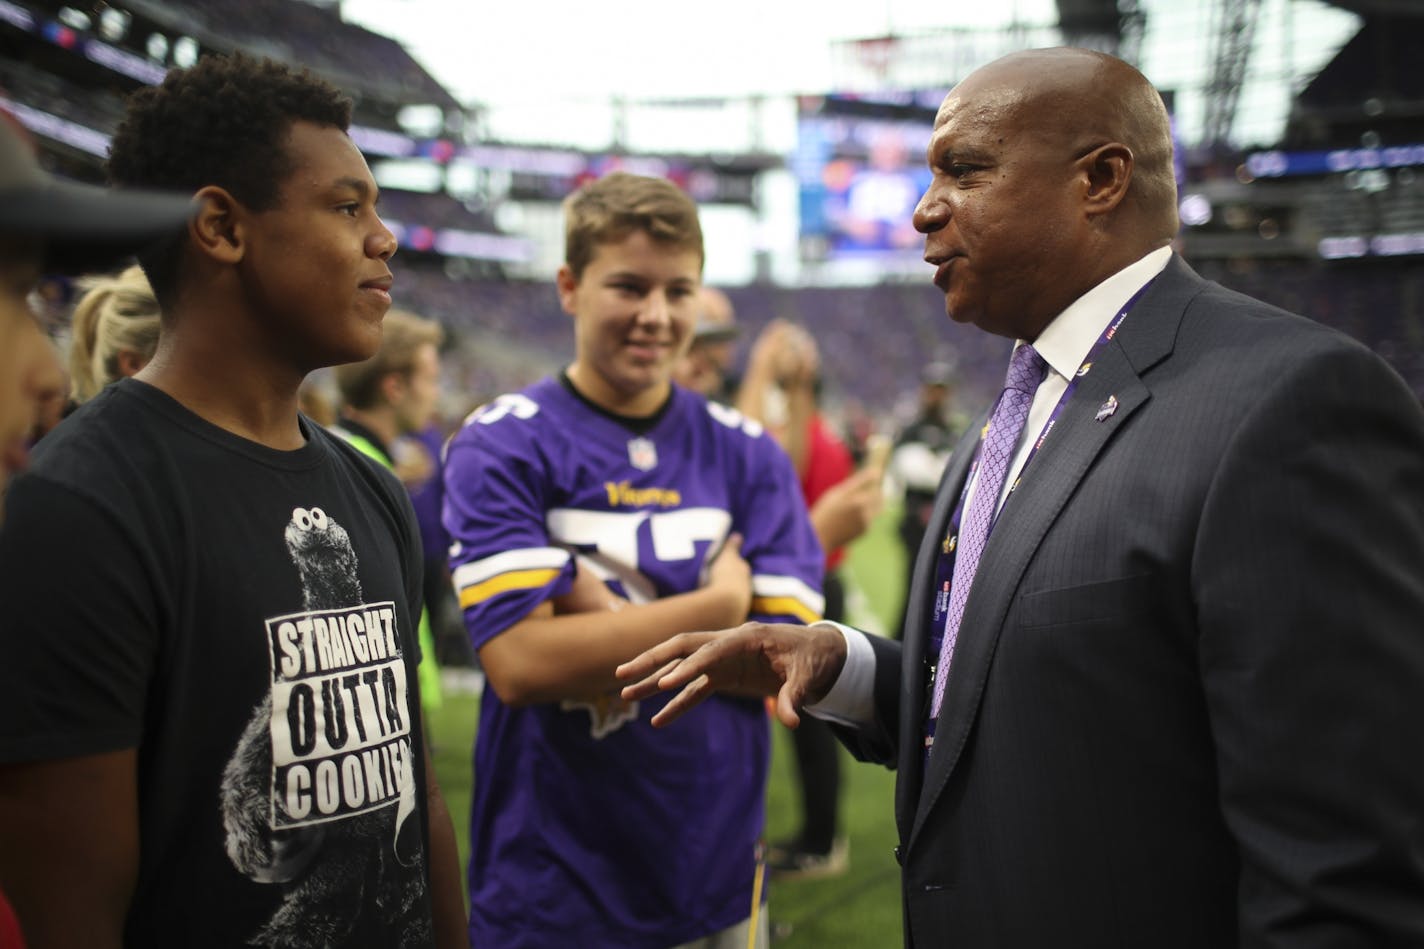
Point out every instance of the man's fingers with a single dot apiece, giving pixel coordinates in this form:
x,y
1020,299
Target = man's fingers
x,y
663,654
643,664
700,662
734,659
786,707
691,696
671,664
648,685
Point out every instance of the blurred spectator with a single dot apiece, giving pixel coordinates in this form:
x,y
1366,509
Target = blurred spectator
x,y
706,367
780,389
10,935
316,403
44,225
114,331
386,399
447,626
30,375
47,225
922,449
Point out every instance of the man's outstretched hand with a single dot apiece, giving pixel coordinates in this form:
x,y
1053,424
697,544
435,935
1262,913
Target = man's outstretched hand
x,y
797,664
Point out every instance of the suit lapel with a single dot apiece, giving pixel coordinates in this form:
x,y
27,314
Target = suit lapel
x,y
1145,338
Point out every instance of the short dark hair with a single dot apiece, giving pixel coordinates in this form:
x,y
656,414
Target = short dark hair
x,y
220,122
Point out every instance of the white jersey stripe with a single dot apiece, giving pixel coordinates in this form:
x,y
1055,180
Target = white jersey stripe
x,y
529,558
768,586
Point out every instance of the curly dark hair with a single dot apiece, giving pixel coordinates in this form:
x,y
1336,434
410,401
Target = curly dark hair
x,y
223,122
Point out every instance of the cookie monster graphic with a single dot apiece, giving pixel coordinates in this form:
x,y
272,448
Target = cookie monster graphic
x,y
318,794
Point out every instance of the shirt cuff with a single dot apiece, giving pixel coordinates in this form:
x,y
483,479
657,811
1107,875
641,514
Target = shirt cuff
x,y
851,700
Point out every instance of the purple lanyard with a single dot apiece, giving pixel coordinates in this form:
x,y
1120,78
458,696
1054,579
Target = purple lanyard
x,y
944,568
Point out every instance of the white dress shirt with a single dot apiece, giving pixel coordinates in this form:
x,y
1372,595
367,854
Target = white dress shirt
x,y
1063,344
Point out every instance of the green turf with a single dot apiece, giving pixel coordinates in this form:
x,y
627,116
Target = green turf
x,y
876,568
859,910
452,734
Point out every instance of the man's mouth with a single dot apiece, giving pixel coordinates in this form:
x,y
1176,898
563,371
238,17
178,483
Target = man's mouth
x,y
942,271
380,287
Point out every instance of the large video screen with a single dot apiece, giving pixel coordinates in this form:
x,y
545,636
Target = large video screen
x,y
860,165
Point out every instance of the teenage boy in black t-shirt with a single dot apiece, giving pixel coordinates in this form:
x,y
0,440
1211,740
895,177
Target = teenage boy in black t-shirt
x,y
209,714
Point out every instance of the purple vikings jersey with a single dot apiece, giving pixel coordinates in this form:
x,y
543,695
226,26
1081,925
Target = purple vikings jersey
x,y
588,826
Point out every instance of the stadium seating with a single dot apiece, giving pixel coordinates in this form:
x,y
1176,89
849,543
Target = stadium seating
x,y
873,338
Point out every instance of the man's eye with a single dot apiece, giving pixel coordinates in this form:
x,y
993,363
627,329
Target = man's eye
x,y
350,210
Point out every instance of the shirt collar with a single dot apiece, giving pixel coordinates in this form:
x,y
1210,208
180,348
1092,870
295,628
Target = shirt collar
x,y
1066,341
361,431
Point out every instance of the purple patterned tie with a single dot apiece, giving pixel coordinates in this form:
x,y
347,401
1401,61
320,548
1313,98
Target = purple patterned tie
x,y
1025,372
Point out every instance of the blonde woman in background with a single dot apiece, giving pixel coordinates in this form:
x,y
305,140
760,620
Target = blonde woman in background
x,y
115,330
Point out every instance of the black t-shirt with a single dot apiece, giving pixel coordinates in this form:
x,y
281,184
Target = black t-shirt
x,y
245,618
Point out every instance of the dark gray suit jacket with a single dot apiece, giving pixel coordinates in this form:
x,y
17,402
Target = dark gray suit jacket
x,y
1187,703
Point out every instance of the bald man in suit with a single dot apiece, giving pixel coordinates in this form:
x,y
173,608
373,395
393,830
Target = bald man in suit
x,y
1162,680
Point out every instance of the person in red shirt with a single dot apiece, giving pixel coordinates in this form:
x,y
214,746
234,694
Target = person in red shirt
x,y
781,389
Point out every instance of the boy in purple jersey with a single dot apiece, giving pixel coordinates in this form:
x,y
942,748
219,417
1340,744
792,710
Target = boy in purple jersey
x,y
592,515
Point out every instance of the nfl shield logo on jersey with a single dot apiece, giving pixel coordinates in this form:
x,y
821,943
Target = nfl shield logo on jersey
x,y
642,454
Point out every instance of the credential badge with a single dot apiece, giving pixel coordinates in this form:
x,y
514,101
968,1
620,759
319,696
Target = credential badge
x,y
642,454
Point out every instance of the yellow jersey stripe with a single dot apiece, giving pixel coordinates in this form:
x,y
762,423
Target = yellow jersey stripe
x,y
514,580
784,606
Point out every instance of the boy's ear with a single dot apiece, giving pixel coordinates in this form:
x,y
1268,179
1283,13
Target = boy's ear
x,y
392,386
217,227
568,285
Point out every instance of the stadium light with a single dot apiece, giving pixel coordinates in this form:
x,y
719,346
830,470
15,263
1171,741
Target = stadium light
x,y
185,52
74,19
157,47
1368,180
422,121
1195,210
114,24
408,175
